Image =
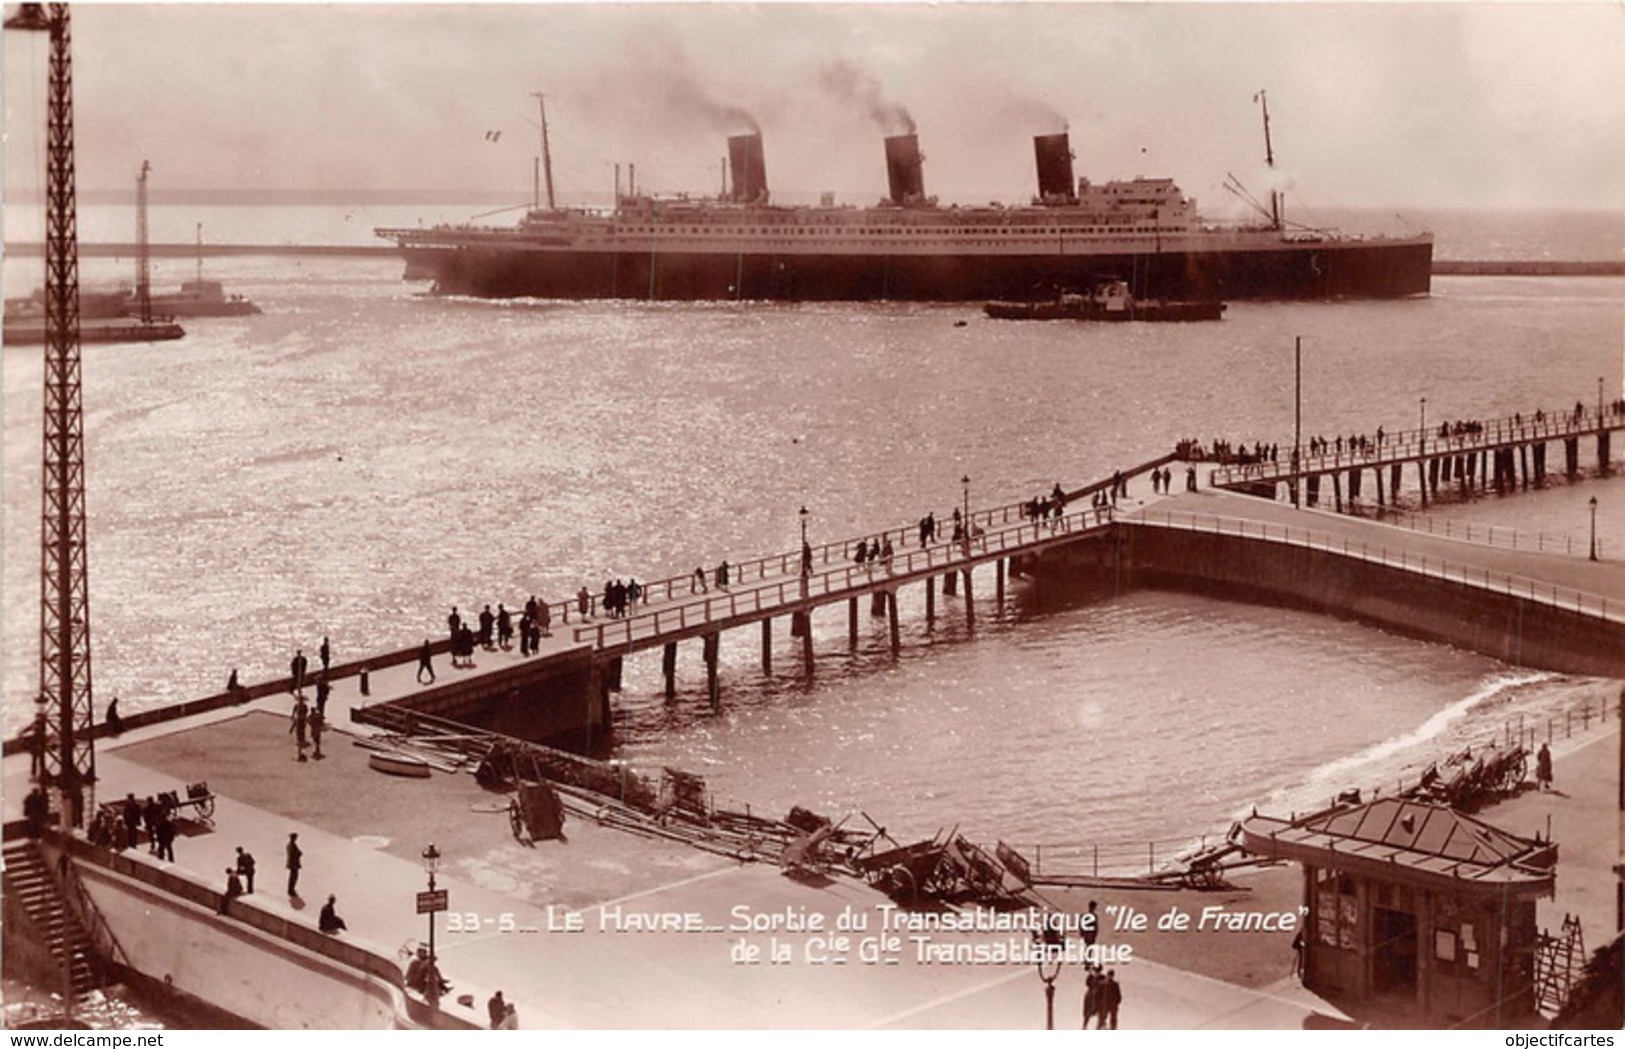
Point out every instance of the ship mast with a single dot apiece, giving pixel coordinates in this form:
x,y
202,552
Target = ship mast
x,y
547,156
1269,159
143,266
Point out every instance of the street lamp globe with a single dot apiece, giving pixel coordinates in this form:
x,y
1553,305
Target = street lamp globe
x,y
431,860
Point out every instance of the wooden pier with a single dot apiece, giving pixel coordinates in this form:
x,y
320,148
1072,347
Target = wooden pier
x,y
1500,454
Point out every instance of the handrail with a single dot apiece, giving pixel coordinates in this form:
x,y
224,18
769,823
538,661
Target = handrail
x,y
849,579
1466,531
1409,445
101,933
1549,594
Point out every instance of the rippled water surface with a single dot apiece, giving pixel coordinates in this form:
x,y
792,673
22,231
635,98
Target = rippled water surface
x,y
359,458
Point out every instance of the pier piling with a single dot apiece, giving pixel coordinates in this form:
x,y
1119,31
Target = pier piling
x,y
668,666
1602,451
767,645
852,623
1337,490
1571,456
806,642
950,585
930,600
998,583
889,598
970,609
713,688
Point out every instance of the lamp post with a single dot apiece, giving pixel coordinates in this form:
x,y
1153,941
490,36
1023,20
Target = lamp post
x,y
1593,528
429,903
806,552
964,483
1049,944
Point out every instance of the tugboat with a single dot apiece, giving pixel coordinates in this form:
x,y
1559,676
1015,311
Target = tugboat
x,y
202,298
1107,301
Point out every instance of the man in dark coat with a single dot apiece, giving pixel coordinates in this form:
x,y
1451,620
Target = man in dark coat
x,y
425,662
296,858
1111,996
329,921
245,867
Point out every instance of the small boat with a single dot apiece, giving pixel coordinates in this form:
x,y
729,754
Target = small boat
x,y
1108,301
395,763
202,298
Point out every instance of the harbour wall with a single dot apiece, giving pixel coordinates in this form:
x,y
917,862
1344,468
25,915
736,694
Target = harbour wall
x,y
252,964
1503,626
562,700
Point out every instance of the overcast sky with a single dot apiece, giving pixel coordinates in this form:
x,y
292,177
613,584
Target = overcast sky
x,y
1381,104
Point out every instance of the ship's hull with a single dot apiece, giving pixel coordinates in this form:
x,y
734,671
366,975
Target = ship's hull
x,y
1317,270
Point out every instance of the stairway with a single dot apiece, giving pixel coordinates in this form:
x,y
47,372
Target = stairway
x,y
29,882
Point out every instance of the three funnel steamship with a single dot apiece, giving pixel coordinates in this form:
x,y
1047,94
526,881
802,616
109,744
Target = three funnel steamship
x,y
908,247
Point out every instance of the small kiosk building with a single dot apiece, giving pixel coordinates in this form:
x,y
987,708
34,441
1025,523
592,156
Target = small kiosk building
x,y
1416,907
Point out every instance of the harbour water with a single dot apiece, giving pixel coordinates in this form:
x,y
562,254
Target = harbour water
x,y
360,458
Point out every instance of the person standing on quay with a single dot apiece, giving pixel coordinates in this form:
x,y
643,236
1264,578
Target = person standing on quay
x,y
165,835
425,662
296,669
245,867
296,860
298,722
544,623
1111,996
1543,768
317,722
454,624
325,654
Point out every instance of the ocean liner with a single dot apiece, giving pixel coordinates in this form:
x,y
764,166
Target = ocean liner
x,y
908,247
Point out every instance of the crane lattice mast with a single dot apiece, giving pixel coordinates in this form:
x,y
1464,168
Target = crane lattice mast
x,y
69,759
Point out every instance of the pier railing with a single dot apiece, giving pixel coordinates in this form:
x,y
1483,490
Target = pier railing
x,y
849,579
1490,535
1395,557
1420,443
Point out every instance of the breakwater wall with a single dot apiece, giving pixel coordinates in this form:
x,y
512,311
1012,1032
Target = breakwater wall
x,y
1494,623
1441,267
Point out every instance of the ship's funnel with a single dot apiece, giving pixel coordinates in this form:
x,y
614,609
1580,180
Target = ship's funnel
x,y
904,168
747,168
1054,155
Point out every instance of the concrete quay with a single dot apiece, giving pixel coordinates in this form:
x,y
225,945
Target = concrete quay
x,y
515,909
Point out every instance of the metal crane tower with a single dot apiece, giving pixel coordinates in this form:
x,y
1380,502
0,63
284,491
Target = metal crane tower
x,y
69,758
